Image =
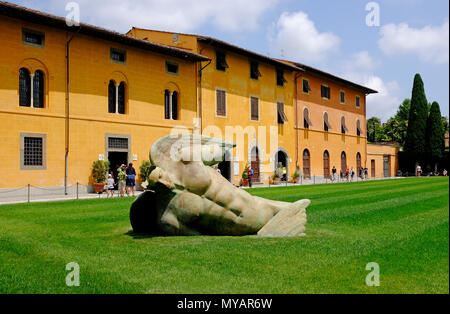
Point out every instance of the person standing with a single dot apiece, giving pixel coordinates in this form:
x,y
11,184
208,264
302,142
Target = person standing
x,y
250,175
110,186
122,178
333,176
131,179
418,170
352,174
347,174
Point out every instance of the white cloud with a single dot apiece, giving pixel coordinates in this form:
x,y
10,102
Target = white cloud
x,y
430,43
360,68
296,37
171,15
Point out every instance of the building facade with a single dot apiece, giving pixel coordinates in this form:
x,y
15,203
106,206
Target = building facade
x,y
73,95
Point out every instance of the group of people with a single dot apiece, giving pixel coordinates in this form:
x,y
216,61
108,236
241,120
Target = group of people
x,y
349,174
419,172
125,181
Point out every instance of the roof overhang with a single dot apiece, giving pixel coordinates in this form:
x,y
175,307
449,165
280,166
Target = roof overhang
x,y
37,17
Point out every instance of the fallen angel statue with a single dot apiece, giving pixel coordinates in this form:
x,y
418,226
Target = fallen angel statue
x,y
186,196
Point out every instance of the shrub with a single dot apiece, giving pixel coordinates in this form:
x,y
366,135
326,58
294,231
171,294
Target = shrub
x,y
100,170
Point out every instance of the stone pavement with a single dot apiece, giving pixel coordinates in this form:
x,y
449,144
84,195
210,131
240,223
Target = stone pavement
x,y
34,194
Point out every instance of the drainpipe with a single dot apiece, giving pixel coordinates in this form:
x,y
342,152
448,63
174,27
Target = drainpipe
x,y
200,102
297,76
66,155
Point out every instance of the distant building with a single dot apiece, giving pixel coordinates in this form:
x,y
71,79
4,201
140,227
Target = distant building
x,y
72,95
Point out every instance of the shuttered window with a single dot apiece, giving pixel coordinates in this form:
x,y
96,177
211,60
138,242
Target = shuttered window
x,y
221,109
254,70
358,128
342,93
280,78
221,62
254,108
282,118
326,123
358,104
343,126
306,87
325,92
306,122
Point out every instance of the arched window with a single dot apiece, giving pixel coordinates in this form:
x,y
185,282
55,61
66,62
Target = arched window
x,y
112,97
326,165
121,98
171,105
306,164
116,97
306,121
326,123
343,162
358,164
24,88
38,89
358,128
174,106
343,126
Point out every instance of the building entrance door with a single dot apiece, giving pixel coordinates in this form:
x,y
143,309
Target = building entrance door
x,y
386,167
116,159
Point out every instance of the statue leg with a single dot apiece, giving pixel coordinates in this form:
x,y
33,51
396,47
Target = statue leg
x,y
288,222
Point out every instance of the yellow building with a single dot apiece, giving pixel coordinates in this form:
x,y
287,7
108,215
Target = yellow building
x,y
382,160
72,95
249,93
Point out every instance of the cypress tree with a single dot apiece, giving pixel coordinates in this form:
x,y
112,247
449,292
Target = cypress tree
x,y
435,135
415,144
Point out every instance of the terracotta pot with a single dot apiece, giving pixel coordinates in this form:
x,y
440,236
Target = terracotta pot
x,y
99,187
245,182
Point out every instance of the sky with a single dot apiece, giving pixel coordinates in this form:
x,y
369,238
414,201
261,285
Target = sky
x,y
380,44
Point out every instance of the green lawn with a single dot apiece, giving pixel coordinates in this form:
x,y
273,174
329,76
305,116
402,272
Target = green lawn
x,y
403,225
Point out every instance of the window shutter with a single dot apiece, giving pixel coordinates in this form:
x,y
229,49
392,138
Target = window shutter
x,y
282,118
175,106
221,106
112,97
121,104
254,108
327,125
24,88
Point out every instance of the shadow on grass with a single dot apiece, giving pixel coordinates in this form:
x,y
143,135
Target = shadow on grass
x,y
140,236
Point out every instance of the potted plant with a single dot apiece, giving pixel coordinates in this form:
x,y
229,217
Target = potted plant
x,y
99,174
244,180
296,175
277,174
145,170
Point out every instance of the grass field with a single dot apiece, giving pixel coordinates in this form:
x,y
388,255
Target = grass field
x,y
403,225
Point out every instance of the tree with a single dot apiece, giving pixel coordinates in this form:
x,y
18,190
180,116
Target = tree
x,y
373,127
435,135
396,128
415,143
445,124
